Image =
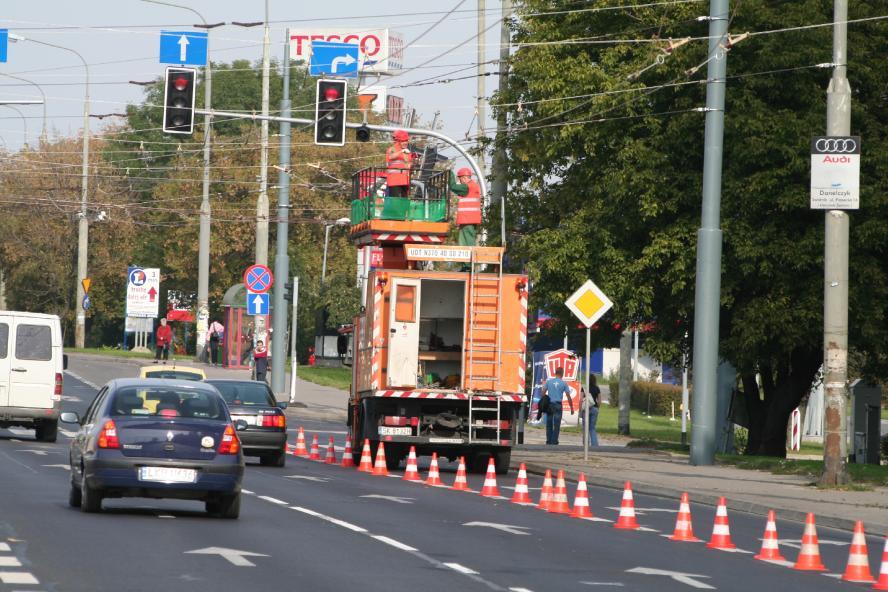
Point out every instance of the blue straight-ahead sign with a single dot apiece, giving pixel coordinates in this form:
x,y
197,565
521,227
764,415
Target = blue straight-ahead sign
x,y
187,48
257,304
334,59
4,43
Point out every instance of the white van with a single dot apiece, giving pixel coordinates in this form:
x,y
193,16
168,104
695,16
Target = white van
x,y
31,366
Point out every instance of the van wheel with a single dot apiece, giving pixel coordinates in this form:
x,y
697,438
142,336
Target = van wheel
x,y
90,498
47,431
74,497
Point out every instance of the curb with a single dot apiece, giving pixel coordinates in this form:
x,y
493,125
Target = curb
x,y
712,500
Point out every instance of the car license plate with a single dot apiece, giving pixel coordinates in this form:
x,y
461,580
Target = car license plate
x,y
167,475
390,431
249,419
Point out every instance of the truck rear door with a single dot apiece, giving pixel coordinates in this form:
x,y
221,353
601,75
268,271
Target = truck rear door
x,y
5,335
403,350
32,376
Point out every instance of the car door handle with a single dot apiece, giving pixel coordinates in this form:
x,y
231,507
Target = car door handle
x,y
19,369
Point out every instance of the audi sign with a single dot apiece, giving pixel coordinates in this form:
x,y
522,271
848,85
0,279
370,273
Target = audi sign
x,y
835,173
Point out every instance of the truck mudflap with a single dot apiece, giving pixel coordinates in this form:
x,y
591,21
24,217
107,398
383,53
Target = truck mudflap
x,y
447,395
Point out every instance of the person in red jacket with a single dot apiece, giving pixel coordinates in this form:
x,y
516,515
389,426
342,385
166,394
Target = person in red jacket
x,y
468,208
162,339
398,160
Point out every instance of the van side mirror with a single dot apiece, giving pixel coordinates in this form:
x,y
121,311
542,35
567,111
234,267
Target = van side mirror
x,y
69,417
64,361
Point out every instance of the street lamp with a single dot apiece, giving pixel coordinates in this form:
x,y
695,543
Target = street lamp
x,y
327,227
24,122
82,223
43,94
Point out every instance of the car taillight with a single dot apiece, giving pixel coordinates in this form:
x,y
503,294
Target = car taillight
x,y
274,421
230,443
108,436
58,384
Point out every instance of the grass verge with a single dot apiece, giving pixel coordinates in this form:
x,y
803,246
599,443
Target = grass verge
x,y
334,377
860,474
119,353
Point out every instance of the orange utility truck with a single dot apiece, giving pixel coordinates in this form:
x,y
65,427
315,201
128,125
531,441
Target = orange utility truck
x,y
439,346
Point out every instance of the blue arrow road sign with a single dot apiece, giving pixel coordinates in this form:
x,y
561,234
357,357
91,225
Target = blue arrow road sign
x,y
183,47
257,304
334,59
4,43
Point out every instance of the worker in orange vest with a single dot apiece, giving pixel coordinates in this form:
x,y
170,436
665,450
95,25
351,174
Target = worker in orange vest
x,y
398,160
468,208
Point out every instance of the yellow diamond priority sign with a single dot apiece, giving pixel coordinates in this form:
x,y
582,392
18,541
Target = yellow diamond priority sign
x,y
589,303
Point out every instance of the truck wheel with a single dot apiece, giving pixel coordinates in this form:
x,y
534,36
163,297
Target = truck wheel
x,y
393,456
502,459
47,431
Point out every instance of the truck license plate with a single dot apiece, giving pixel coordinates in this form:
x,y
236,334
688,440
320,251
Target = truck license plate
x,y
167,475
390,431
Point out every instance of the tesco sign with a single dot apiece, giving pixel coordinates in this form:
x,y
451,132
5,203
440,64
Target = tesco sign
x,y
380,50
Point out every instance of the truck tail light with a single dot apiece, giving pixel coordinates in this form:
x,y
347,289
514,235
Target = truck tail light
x,y
230,443
396,421
108,436
274,421
414,421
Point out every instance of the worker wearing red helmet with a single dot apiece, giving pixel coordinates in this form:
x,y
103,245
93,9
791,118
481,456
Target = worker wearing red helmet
x,y
468,208
398,160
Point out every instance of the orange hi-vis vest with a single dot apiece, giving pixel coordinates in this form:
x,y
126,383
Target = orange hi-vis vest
x,y
468,209
397,166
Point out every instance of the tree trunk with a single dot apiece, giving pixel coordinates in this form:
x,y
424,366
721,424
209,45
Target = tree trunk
x,y
756,411
625,382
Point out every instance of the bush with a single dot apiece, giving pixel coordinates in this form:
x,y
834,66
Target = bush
x,y
655,398
885,447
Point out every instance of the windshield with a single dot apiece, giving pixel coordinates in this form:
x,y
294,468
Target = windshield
x,y
175,374
245,393
152,401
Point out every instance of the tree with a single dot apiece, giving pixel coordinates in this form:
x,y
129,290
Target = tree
x,y
605,156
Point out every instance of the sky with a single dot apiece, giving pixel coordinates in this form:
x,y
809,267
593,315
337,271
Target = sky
x,y
119,39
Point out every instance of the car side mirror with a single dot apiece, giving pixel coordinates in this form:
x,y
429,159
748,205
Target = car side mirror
x,y
283,404
64,361
240,425
69,417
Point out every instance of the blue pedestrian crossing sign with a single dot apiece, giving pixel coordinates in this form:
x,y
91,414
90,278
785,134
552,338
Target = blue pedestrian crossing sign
x,y
186,48
334,59
257,304
4,43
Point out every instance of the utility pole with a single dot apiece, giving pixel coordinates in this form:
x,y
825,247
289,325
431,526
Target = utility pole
x,y
498,166
482,112
835,273
625,396
262,202
281,257
707,295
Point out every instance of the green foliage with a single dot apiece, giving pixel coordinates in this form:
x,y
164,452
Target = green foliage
x,y
861,474
339,378
655,398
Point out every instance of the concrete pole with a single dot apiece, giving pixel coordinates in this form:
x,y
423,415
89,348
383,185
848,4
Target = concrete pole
x,y
835,273
281,256
498,165
635,355
625,383
326,242
262,202
482,91
684,399
294,360
709,246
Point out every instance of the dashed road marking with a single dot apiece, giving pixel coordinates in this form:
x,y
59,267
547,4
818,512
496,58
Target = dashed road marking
x,y
461,569
17,577
10,562
5,547
273,500
66,467
308,478
330,519
393,543
81,379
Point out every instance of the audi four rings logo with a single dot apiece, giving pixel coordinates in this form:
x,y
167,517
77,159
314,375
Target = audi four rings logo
x,y
836,145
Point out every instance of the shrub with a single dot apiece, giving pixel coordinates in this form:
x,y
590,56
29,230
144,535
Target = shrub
x,y
655,398
885,448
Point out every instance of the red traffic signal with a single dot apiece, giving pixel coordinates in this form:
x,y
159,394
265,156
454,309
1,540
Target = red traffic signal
x,y
330,112
178,100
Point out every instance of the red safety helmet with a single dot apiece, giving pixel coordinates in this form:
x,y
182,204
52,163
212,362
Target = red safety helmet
x,y
400,136
464,172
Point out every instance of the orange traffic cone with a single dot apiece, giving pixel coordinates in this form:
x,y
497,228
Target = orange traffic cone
x,y
331,453
721,530
559,504
626,519
315,453
581,500
434,476
546,492
809,554
412,472
348,460
366,464
858,559
489,489
882,583
380,468
300,449
522,494
770,548
684,530
460,484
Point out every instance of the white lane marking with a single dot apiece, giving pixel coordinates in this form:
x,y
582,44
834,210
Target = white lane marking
x,y
308,478
597,519
620,584
646,529
393,543
643,511
330,519
670,535
66,467
736,550
37,452
780,562
511,529
461,569
391,498
684,578
81,379
10,562
836,576
5,547
520,590
797,543
273,500
233,556
165,516
71,398
68,433
17,577
247,491
529,489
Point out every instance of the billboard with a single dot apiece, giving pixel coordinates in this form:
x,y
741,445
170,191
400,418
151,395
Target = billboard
x,y
380,51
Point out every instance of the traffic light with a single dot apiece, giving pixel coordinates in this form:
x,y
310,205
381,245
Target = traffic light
x,y
288,291
362,134
330,113
178,100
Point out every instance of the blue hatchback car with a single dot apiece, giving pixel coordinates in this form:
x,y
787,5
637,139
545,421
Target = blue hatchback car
x,y
156,438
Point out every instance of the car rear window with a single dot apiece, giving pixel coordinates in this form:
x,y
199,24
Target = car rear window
x,y
245,393
33,342
175,374
140,401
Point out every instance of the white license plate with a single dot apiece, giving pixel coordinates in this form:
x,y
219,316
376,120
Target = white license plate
x,y
167,475
250,419
390,431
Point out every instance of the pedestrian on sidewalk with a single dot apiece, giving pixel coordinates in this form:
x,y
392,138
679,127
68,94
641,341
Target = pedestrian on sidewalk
x,y
162,339
214,336
260,355
556,388
592,399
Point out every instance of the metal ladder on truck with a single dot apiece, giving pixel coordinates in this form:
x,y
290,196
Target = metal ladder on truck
x,y
483,354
